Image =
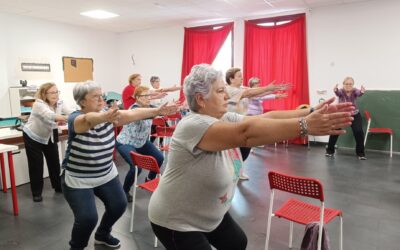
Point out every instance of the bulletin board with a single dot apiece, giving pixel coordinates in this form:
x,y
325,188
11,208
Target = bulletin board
x,y
77,69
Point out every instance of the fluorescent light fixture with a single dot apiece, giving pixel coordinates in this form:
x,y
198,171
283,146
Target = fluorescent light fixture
x,y
99,14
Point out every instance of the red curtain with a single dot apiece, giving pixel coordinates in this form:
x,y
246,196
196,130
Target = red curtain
x,y
201,45
278,53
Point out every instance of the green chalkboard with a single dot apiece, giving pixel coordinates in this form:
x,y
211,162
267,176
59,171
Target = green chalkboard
x,y
384,106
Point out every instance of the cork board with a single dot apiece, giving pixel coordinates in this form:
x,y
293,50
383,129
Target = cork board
x,y
77,69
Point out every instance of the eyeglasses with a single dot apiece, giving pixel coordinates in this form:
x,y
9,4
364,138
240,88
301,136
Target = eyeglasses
x,y
97,97
53,92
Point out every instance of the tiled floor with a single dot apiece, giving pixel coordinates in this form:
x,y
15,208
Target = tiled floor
x,y
368,192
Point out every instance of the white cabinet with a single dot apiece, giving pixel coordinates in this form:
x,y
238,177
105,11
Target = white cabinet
x,y
21,100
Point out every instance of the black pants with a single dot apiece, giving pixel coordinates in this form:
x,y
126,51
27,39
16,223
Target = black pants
x,y
245,152
34,152
227,236
358,133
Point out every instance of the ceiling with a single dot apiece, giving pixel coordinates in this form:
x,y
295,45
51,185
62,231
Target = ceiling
x,y
146,14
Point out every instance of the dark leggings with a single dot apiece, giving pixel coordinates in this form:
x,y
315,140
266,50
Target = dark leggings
x,y
34,152
358,133
245,152
227,236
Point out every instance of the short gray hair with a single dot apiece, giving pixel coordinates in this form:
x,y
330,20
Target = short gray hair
x,y
82,89
199,80
253,80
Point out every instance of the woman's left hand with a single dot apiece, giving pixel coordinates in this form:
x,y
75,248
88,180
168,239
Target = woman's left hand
x,y
362,89
333,108
168,109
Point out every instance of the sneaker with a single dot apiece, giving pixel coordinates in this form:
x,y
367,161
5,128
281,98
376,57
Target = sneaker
x,y
129,197
243,176
329,155
108,241
362,157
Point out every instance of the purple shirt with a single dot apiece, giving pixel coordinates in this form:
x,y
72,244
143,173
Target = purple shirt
x,y
349,98
255,105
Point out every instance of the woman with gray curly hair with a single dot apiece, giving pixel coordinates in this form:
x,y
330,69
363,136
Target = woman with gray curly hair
x,y
189,209
88,168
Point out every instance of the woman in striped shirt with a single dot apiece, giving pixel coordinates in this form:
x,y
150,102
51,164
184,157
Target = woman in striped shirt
x,y
88,169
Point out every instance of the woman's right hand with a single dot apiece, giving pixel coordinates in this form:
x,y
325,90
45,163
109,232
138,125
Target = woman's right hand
x,y
112,115
325,122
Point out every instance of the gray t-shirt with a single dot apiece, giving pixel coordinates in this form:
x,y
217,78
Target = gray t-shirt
x,y
236,103
197,187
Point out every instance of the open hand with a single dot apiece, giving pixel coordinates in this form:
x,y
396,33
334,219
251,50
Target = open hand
x,y
279,96
168,109
362,89
325,122
113,114
340,107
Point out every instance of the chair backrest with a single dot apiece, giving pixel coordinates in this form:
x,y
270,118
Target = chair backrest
x,y
159,121
145,161
303,186
165,131
174,116
367,115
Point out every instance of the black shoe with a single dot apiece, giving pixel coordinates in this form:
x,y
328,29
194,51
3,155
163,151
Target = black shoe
x,y
58,190
108,241
129,197
37,198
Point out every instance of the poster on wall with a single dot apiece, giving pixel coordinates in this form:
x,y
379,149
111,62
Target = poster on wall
x,y
77,69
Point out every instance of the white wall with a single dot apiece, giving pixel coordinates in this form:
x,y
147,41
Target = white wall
x,y
360,40
4,101
26,38
155,52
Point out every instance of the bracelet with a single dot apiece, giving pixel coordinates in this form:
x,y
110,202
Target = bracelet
x,y
311,110
303,127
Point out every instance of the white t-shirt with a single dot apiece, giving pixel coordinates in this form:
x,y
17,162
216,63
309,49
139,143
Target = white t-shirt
x,y
197,187
236,103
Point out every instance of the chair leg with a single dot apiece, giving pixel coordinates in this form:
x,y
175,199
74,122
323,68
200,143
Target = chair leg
x,y
133,200
341,233
290,234
321,225
271,201
155,241
391,146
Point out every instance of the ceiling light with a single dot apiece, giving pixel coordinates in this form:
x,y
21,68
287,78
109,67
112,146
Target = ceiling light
x,y
99,14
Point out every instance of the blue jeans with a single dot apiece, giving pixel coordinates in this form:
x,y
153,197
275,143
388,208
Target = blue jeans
x,y
83,205
147,149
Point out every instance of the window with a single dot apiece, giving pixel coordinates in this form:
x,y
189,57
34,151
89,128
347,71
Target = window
x,y
223,60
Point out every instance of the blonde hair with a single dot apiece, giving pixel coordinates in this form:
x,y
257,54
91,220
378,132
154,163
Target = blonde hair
x,y
41,93
139,90
133,77
348,78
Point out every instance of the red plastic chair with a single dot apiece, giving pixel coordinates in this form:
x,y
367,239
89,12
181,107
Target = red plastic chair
x,y
174,118
378,130
149,163
165,133
298,211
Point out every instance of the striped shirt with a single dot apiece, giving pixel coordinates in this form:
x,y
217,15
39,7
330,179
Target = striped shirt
x,y
88,161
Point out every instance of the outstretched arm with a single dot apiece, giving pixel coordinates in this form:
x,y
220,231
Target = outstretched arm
x,y
253,131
